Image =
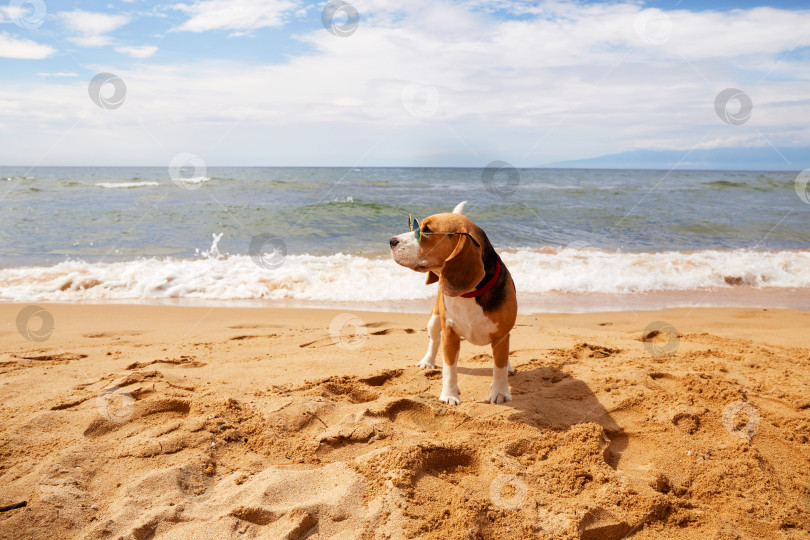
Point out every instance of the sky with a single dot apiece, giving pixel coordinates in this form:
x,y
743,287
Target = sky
x,y
416,83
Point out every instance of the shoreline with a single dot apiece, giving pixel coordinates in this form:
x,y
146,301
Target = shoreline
x,y
528,303
192,421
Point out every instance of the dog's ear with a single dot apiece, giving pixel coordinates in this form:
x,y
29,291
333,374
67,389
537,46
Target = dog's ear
x,y
463,269
431,278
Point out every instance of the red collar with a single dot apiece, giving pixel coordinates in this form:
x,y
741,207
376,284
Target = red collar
x,y
487,286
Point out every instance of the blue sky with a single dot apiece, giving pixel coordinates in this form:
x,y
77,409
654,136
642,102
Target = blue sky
x,y
433,83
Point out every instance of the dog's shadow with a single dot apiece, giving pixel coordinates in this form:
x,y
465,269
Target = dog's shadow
x,y
547,397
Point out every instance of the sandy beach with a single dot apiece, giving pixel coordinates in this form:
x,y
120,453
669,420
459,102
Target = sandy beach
x,y
174,422
220,224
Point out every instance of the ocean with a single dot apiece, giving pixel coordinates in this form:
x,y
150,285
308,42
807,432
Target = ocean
x,y
575,240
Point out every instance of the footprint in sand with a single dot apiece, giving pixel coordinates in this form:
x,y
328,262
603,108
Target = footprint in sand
x,y
195,481
183,361
102,425
382,378
56,358
388,331
117,334
254,326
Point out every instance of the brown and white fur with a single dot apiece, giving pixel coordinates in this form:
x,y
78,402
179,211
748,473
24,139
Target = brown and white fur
x,y
459,267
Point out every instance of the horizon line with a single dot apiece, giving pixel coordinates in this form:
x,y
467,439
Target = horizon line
x,y
538,167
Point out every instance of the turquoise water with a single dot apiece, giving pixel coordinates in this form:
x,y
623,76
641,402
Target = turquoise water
x,y
52,214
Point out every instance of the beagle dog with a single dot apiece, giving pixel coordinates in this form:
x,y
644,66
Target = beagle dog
x,y
476,298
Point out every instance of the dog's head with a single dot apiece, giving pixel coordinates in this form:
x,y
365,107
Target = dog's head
x,y
451,258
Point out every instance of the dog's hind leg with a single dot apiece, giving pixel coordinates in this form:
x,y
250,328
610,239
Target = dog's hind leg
x,y
434,328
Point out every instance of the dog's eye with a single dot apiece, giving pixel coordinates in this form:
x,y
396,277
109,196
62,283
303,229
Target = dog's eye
x,y
425,229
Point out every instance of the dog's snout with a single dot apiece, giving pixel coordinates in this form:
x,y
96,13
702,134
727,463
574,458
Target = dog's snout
x,y
393,242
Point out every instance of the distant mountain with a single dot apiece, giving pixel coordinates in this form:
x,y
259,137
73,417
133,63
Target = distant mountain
x,y
765,159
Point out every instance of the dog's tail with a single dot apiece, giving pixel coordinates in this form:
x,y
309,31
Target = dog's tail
x,y
459,209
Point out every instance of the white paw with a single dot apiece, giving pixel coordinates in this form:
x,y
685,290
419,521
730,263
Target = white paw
x,y
425,363
509,368
451,398
499,396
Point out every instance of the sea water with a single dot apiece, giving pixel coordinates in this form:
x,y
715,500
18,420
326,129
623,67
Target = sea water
x,y
574,239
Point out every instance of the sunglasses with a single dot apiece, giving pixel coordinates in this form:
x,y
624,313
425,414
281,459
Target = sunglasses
x,y
413,223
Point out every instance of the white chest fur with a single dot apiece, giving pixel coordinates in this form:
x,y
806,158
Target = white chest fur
x,y
468,320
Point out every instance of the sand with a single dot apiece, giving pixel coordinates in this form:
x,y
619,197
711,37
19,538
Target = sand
x,y
145,422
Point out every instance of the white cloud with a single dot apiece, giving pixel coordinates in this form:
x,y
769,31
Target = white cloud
x,y
92,27
88,22
569,82
91,41
58,74
11,47
142,51
239,15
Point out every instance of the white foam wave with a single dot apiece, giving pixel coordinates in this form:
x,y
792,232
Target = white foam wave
x,y
596,271
193,180
125,185
352,278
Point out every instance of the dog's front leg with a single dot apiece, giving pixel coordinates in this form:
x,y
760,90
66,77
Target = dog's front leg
x,y
451,344
434,329
499,389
